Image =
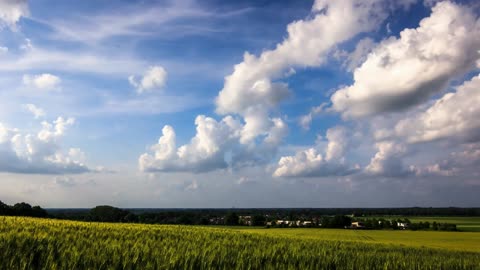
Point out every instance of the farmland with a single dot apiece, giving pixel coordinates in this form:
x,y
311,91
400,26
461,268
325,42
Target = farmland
x,y
467,224
31,243
460,241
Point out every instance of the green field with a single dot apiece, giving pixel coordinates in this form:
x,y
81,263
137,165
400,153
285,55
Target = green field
x,y
461,241
467,224
29,243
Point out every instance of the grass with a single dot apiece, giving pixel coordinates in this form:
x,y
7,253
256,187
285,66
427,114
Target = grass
x,y
455,241
29,243
466,224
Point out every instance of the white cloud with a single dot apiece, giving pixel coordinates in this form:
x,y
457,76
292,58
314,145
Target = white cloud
x,y
154,78
11,11
3,50
79,156
216,145
464,161
39,153
253,88
388,160
449,123
455,115
43,81
306,120
36,111
310,163
337,143
205,152
401,72
358,56
253,91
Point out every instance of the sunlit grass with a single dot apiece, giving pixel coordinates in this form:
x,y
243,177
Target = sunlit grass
x,y
29,243
461,241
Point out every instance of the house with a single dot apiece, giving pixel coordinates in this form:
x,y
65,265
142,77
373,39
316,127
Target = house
x,y
403,225
217,221
245,220
281,222
307,224
357,225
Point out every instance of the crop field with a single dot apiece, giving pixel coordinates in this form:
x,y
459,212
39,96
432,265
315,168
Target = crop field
x,y
29,243
459,241
467,224
464,224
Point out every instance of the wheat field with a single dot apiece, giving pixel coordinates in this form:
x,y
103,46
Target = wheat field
x,y
30,243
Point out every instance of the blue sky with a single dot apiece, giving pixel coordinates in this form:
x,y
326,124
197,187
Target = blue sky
x,y
240,103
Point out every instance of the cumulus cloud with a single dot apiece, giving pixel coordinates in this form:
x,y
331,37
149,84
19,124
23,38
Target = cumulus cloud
x,y
154,78
358,56
216,145
337,143
401,72
455,115
11,11
449,123
253,88
43,81
306,120
36,111
205,152
388,161
311,163
39,153
464,161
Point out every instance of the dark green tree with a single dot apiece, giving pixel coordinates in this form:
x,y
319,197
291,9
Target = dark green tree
x,y
231,219
37,211
106,213
258,220
5,209
22,209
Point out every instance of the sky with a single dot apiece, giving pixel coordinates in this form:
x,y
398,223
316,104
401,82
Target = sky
x,y
220,104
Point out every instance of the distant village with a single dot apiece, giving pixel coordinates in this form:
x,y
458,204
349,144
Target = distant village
x,y
359,219
339,221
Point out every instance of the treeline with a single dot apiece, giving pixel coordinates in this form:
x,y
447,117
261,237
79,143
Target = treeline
x,y
404,223
310,217
22,209
288,213
105,213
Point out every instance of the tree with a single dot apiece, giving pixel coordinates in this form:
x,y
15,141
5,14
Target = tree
x,y
185,219
130,218
22,209
106,213
37,211
258,220
5,209
231,219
